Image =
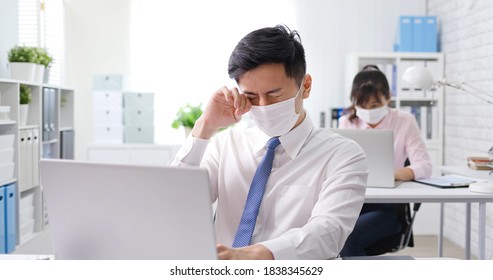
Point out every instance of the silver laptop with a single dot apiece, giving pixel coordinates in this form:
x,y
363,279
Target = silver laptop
x,y
110,211
378,145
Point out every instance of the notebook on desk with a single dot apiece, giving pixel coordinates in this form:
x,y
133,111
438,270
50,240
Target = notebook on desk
x,y
378,145
110,211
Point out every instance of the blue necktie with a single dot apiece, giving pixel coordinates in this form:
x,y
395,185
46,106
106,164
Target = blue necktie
x,y
245,229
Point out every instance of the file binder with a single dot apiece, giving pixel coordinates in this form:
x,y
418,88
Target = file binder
x,y
10,222
28,163
406,34
49,105
335,114
67,144
418,34
23,160
3,238
430,34
35,157
46,114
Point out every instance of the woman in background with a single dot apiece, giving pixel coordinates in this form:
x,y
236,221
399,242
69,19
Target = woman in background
x,y
370,97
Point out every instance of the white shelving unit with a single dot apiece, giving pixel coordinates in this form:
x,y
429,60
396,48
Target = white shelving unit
x,y
406,97
428,107
30,212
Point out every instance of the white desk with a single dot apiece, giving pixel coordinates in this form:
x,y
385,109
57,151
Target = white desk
x,y
411,192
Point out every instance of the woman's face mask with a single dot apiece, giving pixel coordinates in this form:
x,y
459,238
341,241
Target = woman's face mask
x,y
276,119
372,116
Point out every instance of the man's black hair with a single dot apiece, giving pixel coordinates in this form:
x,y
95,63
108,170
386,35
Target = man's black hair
x,y
269,45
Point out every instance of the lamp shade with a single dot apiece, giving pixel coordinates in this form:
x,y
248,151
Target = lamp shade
x,y
418,76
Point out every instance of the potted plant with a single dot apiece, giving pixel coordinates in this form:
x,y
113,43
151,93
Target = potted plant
x,y
22,63
25,99
186,117
45,60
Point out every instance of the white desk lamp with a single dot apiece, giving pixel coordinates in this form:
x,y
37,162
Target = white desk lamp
x,y
421,77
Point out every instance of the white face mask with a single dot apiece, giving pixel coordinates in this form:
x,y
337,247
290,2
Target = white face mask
x,y
276,119
372,116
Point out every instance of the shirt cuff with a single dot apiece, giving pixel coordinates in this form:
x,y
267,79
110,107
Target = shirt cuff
x,y
280,248
192,151
420,172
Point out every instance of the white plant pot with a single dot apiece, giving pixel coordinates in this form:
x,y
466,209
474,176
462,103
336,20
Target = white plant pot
x,y
187,131
24,110
46,77
23,71
39,73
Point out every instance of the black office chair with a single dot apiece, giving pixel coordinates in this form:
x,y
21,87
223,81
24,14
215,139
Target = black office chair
x,y
404,238
401,240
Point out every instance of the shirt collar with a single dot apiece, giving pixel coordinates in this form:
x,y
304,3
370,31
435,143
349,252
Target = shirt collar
x,y
291,142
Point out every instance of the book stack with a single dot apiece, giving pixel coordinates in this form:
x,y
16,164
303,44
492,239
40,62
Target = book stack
x,y
480,162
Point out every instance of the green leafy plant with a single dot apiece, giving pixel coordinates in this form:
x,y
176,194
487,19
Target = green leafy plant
x,y
187,116
43,57
63,100
30,54
23,54
25,94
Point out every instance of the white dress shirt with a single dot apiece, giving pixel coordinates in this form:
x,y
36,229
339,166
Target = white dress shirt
x,y
313,196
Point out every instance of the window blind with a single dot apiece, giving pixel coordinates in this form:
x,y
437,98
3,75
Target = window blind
x,y
53,37
41,24
29,23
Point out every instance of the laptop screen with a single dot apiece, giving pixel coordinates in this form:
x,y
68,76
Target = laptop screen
x,y
378,145
110,211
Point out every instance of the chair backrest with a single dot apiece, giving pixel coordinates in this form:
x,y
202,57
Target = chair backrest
x,y
401,240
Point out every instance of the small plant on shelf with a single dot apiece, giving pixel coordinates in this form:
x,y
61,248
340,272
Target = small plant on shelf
x,y
23,54
43,57
25,99
25,94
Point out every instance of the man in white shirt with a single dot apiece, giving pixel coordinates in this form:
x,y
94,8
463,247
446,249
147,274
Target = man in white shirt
x,y
316,188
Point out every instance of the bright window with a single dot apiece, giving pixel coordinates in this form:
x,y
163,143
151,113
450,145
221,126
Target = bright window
x,y
182,61
41,25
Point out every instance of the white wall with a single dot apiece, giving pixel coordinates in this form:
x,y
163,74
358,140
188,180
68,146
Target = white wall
x,y
467,41
332,29
97,42
8,33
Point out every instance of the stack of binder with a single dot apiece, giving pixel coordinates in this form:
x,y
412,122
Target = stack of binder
x,y
335,114
8,230
29,158
417,34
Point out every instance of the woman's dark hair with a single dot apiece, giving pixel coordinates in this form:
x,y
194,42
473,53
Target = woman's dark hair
x,y
369,82
370,67
269,45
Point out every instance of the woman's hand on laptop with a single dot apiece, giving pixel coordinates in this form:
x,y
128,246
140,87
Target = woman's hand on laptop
x,y
404,174
252,252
